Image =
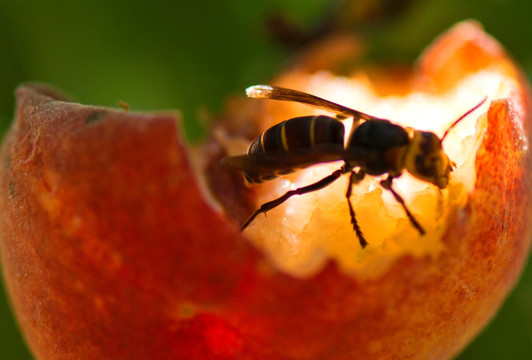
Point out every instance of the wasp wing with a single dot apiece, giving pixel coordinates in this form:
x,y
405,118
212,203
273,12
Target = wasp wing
x,y
284,94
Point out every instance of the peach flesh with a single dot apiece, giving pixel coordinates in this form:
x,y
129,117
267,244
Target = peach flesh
x,y
312,229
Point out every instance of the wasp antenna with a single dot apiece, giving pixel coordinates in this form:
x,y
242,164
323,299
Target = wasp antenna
x,y
259,91
463,117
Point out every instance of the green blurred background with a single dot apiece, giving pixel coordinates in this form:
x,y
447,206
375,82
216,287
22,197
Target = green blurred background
x,y
190,55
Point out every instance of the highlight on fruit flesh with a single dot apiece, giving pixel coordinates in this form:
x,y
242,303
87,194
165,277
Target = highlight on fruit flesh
x,y
306,232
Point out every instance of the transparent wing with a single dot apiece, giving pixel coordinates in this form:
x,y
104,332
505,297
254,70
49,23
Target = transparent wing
x,y
283,94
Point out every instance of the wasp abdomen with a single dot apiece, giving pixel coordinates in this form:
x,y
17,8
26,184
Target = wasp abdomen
x,y
297,134
304,132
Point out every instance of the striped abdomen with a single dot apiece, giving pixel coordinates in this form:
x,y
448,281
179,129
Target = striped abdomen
x,y
297,134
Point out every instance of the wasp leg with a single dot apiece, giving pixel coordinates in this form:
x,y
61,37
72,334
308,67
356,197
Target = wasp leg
x,y
300,191
354,179
387,184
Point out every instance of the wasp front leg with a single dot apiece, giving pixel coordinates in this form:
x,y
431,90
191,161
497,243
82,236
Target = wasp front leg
x,y
387,184
355,178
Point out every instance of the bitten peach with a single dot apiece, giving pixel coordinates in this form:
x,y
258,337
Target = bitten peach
x,y
113,248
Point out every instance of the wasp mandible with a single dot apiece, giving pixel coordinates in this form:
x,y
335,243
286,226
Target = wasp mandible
x,y
374,147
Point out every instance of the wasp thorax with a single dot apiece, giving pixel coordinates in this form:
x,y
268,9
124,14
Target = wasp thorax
x,y
426,160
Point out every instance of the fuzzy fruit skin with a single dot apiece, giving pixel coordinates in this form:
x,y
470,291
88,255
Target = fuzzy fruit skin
x,y
110,251
104,232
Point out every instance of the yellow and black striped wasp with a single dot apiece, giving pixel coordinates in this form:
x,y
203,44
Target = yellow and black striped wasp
x,y
375,147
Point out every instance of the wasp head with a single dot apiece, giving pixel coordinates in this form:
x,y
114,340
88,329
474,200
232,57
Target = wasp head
x,y
426,160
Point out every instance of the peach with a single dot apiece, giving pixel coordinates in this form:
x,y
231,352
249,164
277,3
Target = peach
x,y
113,248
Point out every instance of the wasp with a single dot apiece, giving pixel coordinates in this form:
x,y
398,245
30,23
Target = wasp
x,y
374,147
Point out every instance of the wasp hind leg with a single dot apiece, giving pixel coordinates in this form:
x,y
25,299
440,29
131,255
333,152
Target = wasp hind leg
x,y
300,191
387,184
355,178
